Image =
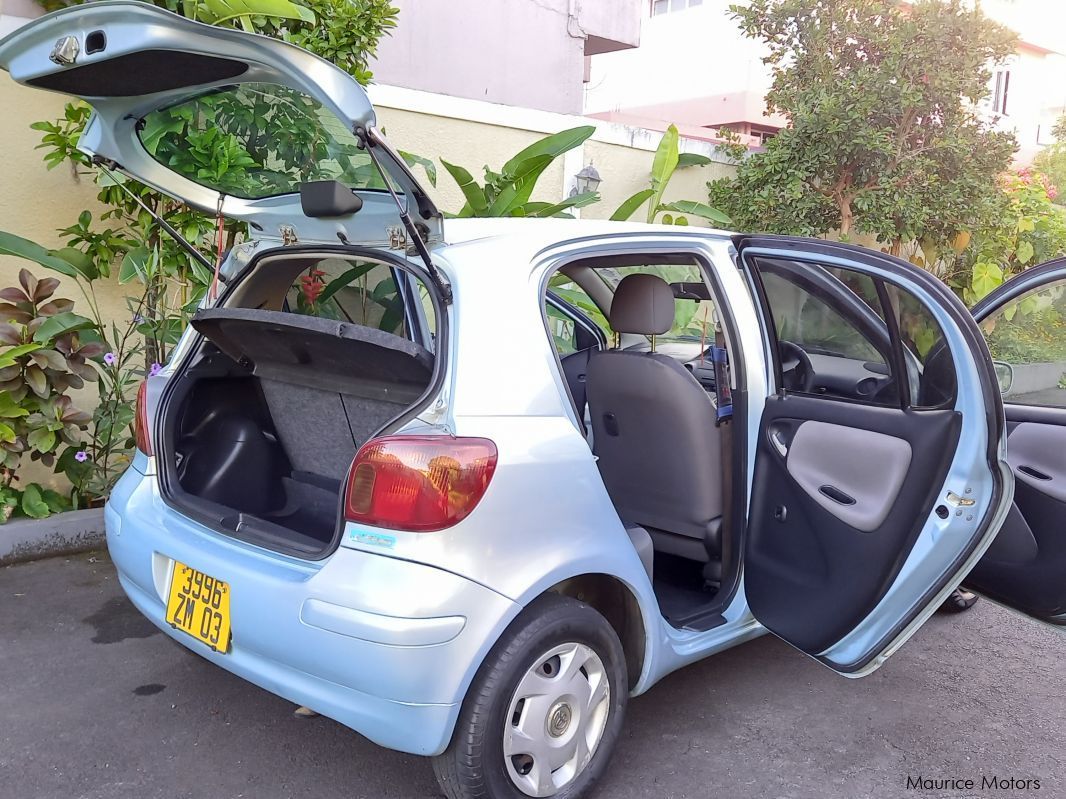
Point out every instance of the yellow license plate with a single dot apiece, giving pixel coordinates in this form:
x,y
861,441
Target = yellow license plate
x,y
199,605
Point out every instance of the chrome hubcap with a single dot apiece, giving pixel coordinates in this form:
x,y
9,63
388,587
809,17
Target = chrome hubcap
x,y
556,719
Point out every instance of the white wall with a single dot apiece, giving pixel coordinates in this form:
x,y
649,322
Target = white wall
x,y
1036,98
692,53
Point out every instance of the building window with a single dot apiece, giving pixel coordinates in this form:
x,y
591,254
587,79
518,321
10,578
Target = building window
x,y
1000,96
666,6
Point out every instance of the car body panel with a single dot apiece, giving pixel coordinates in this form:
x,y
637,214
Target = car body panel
x,y
319,634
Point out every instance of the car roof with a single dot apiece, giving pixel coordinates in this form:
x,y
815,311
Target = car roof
x,y
541,233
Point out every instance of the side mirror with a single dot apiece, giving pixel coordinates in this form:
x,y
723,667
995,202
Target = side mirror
x,y
1005,376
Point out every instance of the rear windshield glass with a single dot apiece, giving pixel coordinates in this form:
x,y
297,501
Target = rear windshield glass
x,y
256,140
361,292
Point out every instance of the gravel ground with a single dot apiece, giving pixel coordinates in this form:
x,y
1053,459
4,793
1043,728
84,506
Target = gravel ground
x,y
97,703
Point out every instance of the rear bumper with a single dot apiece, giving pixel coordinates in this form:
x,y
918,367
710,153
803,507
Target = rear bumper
x,y
384,646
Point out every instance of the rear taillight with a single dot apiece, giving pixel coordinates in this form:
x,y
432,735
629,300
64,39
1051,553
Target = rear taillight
x,y
418,483
141,426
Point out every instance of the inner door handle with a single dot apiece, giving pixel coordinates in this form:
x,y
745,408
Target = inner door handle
x,y
1035,473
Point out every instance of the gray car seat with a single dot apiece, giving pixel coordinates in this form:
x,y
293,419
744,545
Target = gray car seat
x,y
654,425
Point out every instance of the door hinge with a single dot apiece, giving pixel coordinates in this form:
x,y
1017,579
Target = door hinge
x,y
288,235
397,238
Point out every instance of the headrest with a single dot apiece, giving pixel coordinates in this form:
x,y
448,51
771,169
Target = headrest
x,y
642,304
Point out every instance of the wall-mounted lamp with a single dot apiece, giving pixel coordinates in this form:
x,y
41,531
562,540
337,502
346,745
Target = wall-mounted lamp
x,y
588,179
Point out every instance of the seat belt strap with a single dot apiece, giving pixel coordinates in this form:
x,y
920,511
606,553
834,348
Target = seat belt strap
x,y
724,422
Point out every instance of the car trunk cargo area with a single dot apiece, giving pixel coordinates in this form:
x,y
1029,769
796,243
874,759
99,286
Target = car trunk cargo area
x,y
261,427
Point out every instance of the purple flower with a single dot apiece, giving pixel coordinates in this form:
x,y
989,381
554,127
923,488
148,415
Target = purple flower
x,y
156,369
81,457
110,359
137,319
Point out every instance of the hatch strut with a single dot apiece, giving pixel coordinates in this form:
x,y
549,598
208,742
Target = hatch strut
x,y
106,166
369,144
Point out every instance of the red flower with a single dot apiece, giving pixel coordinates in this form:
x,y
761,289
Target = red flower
x,y
312,285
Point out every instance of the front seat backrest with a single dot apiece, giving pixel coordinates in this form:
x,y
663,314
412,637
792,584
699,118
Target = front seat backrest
x,y
654,429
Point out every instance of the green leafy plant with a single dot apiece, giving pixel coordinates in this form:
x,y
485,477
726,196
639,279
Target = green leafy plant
x,y
93,467
1051,161
44,356
668,159
1027,230
508,192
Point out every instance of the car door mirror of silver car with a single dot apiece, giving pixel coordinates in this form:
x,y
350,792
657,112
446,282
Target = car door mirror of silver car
x,y
1004,376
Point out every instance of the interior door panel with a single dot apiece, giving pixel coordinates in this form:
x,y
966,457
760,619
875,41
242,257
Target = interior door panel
x,y
1025,568
867,508
854,474
1026,565
1037,453
812,574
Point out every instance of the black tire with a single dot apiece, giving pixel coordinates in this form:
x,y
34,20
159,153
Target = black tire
x,y
473,765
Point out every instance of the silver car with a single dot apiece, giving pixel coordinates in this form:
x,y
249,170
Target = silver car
x,y
467,487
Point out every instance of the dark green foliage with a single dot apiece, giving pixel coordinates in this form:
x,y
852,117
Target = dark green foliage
x,y
883,137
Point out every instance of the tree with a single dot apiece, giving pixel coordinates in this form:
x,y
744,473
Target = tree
x,y
883,136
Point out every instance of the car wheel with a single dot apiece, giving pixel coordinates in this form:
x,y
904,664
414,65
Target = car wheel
x,y
544,711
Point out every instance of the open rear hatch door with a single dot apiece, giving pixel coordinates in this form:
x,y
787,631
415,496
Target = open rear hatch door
x,y
167,90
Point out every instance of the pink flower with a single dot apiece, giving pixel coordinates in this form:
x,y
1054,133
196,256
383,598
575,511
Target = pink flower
x,y
81,457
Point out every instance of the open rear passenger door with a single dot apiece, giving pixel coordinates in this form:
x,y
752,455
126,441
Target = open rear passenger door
x,y
879,477
1024,322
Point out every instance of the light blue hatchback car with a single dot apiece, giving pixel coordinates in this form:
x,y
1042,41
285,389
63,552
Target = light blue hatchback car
x,y
467,489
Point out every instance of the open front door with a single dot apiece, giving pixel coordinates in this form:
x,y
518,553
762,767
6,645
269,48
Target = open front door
x,y
879,477
1024,322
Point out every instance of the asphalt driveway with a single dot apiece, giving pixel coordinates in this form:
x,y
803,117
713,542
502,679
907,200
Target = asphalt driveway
x,y
94,702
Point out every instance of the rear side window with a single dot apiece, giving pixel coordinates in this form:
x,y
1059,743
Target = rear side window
x,y
361,292
843,323
930,367
810,320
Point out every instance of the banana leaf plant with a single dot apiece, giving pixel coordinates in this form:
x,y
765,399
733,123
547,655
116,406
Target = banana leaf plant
x,y
508,192
668,159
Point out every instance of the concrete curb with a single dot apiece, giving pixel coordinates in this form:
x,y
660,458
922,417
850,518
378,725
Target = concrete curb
x,y
62,534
